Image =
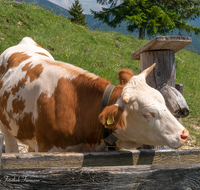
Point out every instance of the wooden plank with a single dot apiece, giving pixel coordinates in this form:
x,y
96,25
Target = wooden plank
x,y
112,178
164,71
94,159
174,43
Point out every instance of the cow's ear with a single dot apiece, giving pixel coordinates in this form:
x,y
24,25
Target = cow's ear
x,y
124,76
113,117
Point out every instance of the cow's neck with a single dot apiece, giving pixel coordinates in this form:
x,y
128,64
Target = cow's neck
x,y
93,91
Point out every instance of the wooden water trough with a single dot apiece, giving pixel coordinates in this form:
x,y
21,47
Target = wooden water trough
x,y
161,50
133,169
125,169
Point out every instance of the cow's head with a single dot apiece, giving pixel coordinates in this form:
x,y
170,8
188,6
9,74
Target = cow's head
x,y
140,116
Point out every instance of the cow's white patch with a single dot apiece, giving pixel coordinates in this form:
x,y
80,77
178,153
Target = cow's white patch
x,y
14,127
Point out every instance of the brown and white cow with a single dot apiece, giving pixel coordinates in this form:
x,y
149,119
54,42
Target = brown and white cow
x,y
54,106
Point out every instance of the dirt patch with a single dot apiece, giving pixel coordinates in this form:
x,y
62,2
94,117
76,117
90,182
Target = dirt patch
x,y
193,127
196,127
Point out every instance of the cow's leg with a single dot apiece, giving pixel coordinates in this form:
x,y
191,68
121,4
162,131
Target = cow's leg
x,y
10,141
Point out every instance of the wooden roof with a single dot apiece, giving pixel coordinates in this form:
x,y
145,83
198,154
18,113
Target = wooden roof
x,y
174,43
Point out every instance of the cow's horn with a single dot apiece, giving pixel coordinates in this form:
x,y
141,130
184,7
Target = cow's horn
x,y
148,70
126,98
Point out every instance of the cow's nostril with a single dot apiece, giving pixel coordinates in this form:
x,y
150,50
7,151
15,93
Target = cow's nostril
x,y
184,135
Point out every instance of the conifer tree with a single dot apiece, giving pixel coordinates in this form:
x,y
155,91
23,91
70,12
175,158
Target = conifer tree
x,y
150,16
76,11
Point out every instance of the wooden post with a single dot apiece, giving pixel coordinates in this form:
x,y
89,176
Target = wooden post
x,y
164,73
1,145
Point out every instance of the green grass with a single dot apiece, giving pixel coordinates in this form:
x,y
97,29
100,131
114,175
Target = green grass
x,y
103,53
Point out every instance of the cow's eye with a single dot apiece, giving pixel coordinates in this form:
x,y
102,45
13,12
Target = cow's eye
x,y
149,115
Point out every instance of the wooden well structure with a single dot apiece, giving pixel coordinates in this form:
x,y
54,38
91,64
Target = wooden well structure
x,y
125,169
161,50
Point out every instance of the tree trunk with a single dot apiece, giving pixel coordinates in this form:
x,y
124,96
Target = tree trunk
x,y
142,33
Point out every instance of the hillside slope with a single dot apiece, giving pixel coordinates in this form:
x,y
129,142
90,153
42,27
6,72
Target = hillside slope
x,y
101,53
96,24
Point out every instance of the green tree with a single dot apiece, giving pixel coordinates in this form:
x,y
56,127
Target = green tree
x,y
151,17
76,11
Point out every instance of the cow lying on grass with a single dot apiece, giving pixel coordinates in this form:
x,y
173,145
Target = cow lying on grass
x,y
54,106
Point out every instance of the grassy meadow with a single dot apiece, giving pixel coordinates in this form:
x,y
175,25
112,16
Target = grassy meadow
x,y
103,53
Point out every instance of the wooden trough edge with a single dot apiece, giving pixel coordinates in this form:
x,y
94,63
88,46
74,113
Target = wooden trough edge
x,y
112,178
99,159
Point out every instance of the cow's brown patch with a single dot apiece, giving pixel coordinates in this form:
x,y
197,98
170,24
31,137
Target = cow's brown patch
x,y
2,69
68,115
116,94
26,127
19,85
16,58
57,117
32,73
3,107
4,100
24,121
18,106
40,53
1,84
